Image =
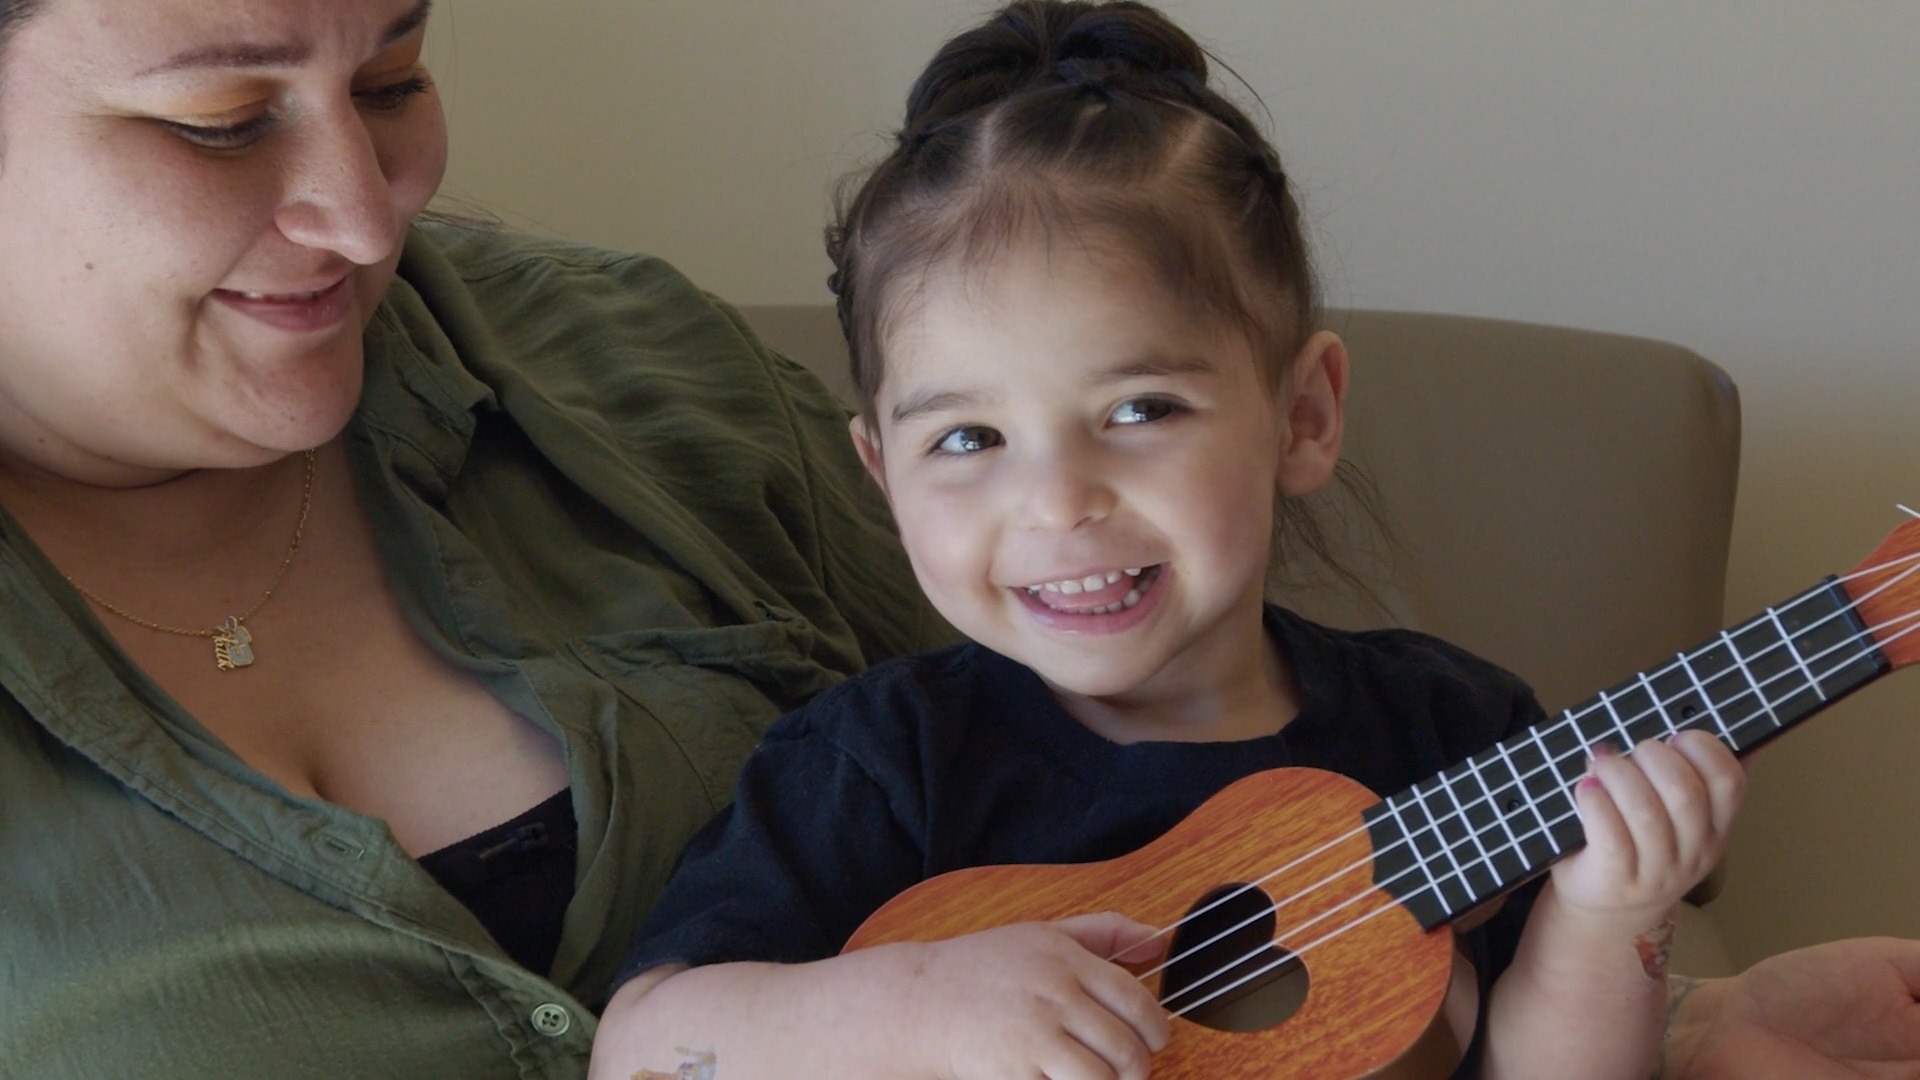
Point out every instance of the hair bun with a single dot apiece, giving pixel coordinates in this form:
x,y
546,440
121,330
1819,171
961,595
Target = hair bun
x,y
1126,38
1098,46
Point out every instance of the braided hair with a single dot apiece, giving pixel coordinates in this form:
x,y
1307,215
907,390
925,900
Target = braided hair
x,y
1071,115
1098,119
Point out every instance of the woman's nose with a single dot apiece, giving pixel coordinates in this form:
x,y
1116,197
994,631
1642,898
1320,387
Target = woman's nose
x,y
337,195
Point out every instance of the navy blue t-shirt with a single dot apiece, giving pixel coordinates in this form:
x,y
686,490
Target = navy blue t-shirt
x,y
962,757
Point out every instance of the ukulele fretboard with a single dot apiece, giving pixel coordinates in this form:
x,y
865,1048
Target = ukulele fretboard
x,y
1455,841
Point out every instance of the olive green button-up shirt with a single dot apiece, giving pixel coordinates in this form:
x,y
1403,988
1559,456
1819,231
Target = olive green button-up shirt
x,y
596,492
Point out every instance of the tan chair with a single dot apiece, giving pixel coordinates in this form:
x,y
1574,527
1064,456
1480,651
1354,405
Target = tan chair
x,y
1561,499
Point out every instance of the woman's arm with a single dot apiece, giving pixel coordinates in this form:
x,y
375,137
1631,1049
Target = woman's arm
x,y
1843,1010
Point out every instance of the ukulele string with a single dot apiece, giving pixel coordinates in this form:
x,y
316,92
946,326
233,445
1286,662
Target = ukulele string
x,y
1292,953
1458,872
1567,718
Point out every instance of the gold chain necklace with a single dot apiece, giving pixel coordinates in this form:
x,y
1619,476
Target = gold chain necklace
x,y
232,641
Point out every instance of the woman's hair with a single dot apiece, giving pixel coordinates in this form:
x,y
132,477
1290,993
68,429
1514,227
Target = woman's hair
x,y
12,14
1095,120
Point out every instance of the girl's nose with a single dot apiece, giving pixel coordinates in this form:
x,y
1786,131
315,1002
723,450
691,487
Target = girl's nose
x,y
1066,494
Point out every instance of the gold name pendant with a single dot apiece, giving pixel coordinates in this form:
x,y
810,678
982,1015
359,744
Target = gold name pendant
x,y
232,645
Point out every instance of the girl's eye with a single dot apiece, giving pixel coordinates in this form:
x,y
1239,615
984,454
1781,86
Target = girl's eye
x,y
967,440
1143,411
393,96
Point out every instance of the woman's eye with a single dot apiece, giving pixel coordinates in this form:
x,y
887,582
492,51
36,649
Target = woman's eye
x,y
1142,411
393,96
237,136
967,440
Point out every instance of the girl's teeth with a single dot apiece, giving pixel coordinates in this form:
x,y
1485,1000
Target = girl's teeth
x,y
1090,583
1118,606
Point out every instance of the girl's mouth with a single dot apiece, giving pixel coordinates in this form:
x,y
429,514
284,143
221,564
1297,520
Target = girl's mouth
x,y
1108,593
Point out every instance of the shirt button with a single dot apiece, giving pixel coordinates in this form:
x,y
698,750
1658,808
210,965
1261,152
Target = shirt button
x,y
551,1020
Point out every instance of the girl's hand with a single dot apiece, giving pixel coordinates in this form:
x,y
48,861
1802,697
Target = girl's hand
x,y
1039,1000
1657,822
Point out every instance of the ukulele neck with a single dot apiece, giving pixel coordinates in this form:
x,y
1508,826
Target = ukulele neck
x,y
1453,842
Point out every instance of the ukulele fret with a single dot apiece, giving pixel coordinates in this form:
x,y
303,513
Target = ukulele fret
x,y
1508,812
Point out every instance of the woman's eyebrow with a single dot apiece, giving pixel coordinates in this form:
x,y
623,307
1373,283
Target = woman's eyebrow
x,y
242,55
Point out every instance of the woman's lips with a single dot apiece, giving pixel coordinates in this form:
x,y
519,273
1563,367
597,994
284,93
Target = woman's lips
x,y
294,312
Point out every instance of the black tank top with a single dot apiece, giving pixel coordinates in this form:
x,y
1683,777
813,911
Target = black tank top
x,y
517,878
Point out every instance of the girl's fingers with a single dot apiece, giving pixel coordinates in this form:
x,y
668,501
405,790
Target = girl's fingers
x,y
1722,774
1643,814
1127,1001
1108,1046
1600,819
1683,796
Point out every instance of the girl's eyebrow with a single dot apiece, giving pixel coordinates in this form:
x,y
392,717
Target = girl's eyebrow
x,y
243,55
1148,366
931,402
1153,365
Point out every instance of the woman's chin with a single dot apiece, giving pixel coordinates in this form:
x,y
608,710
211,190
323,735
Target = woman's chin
x,y
296,415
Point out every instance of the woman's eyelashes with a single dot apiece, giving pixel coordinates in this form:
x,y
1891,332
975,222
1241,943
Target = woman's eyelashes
x,y
388,98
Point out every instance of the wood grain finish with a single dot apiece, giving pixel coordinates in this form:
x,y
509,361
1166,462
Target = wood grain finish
x,y
1375,988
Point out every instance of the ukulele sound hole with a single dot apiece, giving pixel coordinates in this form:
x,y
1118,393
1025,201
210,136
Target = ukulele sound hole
x,y
1275,981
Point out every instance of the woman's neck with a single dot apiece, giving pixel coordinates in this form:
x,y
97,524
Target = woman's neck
x,y
173,520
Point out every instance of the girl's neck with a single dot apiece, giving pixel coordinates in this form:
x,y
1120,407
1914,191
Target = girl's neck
x,y
1252,696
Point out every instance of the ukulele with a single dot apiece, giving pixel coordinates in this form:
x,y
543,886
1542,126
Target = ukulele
x,y
1308,877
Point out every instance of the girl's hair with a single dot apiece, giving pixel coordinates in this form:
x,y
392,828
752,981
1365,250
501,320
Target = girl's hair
x,y
1091,118
1094,119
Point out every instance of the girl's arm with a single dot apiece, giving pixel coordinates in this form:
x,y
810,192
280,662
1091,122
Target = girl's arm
x,y
1026,1000
1586,995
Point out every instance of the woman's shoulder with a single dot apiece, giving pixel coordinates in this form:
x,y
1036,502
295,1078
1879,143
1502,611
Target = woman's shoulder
x,y
549,304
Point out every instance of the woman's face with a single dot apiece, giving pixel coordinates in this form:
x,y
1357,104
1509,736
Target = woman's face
x,y
201,204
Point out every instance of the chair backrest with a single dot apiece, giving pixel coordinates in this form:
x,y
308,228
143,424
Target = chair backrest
x,y
1562,499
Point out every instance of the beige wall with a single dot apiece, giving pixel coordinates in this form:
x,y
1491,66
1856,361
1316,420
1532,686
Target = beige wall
x,y
1736,177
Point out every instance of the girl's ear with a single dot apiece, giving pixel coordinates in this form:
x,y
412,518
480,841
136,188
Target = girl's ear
x,y
866,443
1315,412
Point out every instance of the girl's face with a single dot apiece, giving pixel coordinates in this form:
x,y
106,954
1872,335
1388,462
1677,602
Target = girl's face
x,y
1084,477
201,204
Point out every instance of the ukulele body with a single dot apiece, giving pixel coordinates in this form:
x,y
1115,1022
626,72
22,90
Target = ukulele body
x,y
1376,980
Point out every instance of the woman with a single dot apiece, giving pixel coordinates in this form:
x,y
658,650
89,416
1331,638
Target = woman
x,y
270,715
385,605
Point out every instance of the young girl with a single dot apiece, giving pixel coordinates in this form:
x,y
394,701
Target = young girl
x,y
1082,324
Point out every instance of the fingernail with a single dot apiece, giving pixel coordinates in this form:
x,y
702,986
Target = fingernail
x,y
1589,783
